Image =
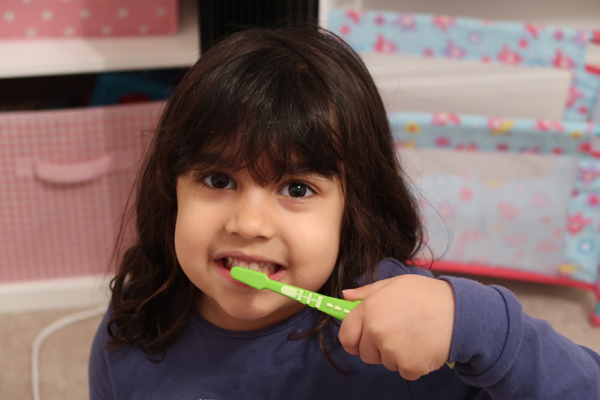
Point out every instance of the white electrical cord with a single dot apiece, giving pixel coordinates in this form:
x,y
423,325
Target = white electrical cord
x,y
47,331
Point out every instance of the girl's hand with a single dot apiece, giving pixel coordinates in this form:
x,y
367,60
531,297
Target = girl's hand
x,y
405,323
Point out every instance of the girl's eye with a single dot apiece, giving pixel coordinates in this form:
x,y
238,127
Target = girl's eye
x,y
218,181
297,190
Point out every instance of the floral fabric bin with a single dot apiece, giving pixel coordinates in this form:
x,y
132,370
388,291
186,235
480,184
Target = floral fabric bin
x,y
516,199
485,41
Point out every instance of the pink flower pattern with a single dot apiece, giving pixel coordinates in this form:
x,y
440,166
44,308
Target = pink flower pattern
x,y
575,223
507,210
509,57
443,119
475,38
539,200
454,51
379,20
428,52
355,15
559,35
466,194
534,30
588,175
467,147
523,43
444,22
385,46
594,200
442,141
406,22
563,62
549,125
574,95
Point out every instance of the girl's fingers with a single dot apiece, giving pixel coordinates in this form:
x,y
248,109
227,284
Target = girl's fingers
x,y
351,331
363,291
368,352
410,375
389,362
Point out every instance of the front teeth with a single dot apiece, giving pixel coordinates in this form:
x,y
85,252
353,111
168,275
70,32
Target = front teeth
x,y
253,266
267,268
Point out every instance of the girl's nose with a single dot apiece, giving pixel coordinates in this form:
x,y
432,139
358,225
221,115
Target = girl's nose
x,y
252,215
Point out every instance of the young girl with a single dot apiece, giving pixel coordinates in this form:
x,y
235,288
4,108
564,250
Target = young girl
x,y
275,154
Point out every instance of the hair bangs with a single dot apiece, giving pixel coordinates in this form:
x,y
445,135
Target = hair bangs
x,y
270,153
283,129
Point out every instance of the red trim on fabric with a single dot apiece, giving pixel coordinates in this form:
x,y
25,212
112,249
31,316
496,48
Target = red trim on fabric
x,y
507,273
592,69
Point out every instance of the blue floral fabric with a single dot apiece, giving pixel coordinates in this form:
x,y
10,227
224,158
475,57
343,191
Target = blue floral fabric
x,y
486,41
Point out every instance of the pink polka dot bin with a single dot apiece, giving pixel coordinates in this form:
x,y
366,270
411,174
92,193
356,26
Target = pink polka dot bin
x,y
31,19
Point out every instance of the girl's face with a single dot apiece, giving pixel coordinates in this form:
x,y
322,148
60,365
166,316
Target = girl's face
x,y
289,229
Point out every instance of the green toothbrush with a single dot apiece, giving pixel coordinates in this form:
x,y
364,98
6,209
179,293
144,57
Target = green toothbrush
x,y
337,308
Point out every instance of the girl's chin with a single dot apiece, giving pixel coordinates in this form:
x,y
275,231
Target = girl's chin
x,y
241,310
245,318
247,322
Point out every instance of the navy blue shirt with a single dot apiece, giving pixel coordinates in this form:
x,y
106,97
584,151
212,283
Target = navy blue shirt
x,y
501,353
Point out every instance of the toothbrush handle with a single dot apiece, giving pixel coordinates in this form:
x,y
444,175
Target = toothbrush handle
x,y
337,308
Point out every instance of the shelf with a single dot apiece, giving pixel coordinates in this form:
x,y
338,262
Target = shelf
x,y
27,58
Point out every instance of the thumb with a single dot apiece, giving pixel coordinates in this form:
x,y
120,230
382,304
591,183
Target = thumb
x,y
363,291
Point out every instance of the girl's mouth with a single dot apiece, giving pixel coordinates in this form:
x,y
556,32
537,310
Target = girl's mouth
x,y
267,268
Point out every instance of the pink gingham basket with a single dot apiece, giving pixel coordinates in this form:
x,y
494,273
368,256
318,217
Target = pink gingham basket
x,y
65,177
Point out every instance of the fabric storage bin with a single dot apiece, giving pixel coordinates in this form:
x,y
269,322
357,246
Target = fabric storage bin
x,y
517,199
27,19
65,177
485,41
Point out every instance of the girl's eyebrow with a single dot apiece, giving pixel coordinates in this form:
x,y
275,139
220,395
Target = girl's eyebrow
x,y
306,173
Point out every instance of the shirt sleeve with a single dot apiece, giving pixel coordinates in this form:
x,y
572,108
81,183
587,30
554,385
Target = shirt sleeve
x,y
512,355
100,383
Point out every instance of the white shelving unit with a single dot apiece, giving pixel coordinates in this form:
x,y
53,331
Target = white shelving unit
x,y
27,58
54,57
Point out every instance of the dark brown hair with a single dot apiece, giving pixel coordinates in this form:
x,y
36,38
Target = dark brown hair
x,y
298,97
